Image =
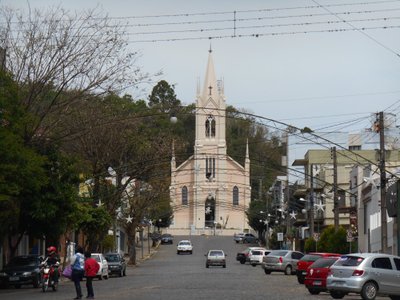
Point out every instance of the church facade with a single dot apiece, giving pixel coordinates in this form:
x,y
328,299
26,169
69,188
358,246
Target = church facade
x,y
210,192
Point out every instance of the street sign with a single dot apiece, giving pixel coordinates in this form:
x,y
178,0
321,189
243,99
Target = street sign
x,y
280,236
349,236
316,236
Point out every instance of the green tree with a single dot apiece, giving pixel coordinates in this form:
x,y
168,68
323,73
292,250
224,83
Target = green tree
x,y
331,240
38,187
164,98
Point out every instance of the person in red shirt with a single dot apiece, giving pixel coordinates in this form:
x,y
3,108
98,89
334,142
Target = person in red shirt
x,y
91,269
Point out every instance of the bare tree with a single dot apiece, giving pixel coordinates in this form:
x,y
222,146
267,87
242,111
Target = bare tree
x,y
52,52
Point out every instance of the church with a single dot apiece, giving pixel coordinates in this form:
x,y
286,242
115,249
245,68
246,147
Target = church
x,y
210,191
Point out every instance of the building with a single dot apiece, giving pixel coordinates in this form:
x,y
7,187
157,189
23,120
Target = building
x,y
210,192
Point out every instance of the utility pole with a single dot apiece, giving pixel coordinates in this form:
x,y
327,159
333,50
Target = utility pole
x,y
335,194
312,201
382,169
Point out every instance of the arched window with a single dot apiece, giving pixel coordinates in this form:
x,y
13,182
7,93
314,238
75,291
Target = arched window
x,y
235,196
210,126
185,196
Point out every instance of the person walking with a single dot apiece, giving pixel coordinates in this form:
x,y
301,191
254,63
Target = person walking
x,y
78,270
91,269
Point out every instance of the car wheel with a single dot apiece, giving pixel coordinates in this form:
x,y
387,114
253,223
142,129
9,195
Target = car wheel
x,y
224,266
313,291
17,286
394,297
191,252
337,295
369,291
288,270
300,279
100,277
254,265
178,252
207,266
267,272
242,261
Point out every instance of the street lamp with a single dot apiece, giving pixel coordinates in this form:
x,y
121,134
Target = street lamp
x,y
266,223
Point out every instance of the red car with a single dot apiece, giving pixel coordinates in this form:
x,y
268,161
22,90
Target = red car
x,y
315,280
307,261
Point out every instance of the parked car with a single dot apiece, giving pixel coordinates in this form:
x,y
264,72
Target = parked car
x,y
315,280
256,256
167,238
21,270
103,270
116,264
184,246
307,261
216,258
368,274
237,237
281,261
245,238
243,256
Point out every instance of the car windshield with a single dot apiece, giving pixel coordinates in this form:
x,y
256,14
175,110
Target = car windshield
x,y
256,252
216,253
20,261
278,253
349,261
112,258
184,243
324,262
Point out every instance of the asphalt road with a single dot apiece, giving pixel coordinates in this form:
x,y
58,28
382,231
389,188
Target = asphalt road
x,y
168,276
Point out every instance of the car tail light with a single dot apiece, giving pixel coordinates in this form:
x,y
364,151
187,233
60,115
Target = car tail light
x,y
280,259
329,272
358,273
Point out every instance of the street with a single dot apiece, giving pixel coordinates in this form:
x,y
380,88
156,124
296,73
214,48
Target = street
x,y
170,276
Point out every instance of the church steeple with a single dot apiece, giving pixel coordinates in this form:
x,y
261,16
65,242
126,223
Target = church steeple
x,y
210,88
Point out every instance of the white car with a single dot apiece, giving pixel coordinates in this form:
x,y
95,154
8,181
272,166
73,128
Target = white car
x,y
184,246
256,256
103,270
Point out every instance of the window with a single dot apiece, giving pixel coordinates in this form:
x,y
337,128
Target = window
x,y
354,148
397,263
235,196
210,126
184,196
210,168
382,263
341,198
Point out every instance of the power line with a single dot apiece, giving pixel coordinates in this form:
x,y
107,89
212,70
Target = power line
x,y
360,31
258,35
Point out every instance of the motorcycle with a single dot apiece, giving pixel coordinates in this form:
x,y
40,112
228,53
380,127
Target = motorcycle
x,y
47,275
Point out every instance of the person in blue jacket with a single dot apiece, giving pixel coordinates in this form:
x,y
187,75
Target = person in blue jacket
x,y
78,270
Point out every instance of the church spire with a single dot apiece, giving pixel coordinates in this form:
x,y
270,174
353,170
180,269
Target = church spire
x,y
210,82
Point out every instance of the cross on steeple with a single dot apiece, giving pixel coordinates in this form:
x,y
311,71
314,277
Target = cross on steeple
x,y
210,88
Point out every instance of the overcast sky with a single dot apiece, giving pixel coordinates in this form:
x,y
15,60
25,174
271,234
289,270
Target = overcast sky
x,y
307,67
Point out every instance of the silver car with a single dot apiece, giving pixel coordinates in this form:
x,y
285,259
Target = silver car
x,y
281,261
368,274
216,258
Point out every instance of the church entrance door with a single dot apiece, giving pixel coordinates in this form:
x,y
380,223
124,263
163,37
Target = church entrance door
x,y
209,212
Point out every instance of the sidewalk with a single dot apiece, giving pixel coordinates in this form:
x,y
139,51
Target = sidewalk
x,y
145,251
